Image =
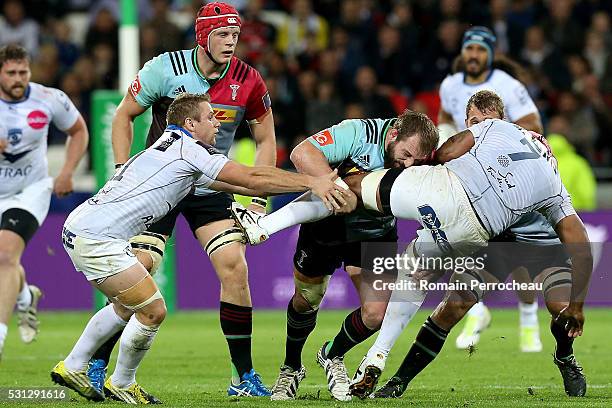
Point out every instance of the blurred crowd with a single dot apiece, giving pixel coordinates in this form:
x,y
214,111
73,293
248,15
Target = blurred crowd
x,y
327,60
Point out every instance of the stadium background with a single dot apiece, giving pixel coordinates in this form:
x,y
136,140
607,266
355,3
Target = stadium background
x,y
357,58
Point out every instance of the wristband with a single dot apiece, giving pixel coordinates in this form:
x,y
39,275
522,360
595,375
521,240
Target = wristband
x,y
262,202
117,165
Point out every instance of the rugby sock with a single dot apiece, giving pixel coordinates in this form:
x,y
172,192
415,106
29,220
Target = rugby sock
x,y
3,331
402,307
100,328
478,310
299,327
24,299
425,348
237,327
528,314
135,342
352,332
305,208
105,350
564,342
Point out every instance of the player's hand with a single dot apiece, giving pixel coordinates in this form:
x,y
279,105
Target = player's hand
x,y
324,188
62,186
572,319
351,202
3,144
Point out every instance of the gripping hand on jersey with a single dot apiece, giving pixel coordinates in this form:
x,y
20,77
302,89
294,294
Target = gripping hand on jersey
x,y
332,195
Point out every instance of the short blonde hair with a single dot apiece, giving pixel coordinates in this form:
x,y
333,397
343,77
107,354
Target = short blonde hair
x,y
185,106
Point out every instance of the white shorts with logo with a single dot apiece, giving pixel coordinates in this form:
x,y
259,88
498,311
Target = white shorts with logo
x,y
35,199
98,259
435,197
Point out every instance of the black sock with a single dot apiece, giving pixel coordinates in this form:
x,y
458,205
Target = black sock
x,y
105,350
237,326
564,342
352,332
425,348
299,326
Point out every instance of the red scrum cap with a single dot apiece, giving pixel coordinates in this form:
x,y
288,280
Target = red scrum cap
x,y
214,16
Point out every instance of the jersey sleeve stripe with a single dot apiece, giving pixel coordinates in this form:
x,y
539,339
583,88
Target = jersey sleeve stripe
x,y
376,135
173,64
184,61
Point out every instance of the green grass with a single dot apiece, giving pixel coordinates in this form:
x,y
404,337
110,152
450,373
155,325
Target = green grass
x,y
188,364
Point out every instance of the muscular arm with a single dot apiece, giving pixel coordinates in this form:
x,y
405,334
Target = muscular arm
x,y
76,146
122,132
229,188
265,140
455,147
532,122
307,159
572,233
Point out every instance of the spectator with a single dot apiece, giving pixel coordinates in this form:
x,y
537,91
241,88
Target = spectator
x,y
68,52
297,27
582,131
389,61
541,55
149,43
16,28
441,53
600,23
596,53
509,34
575,171
324,111
256,36
172,37
375,105
103,30
561,29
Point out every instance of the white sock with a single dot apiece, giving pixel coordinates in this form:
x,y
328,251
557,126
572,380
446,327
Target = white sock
x,y
528,314
478,310
305,208
3,331
135,342
100,328
24,299
402,307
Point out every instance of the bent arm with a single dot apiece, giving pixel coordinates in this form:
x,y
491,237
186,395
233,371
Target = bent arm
x,y
307,159
122,132
76,145
455,147
531,122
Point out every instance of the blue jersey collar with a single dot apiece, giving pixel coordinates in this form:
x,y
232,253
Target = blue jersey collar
x,y
179,128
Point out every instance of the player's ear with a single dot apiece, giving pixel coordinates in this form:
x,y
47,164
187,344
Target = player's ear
x,y
393,134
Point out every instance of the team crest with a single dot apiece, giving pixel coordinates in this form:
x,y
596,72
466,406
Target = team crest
x,y
234,91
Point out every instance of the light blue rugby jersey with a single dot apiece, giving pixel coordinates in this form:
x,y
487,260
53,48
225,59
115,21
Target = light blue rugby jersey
x,y
358,143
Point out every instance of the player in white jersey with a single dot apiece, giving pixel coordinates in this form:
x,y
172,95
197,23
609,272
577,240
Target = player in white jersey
x,y
26,111
479,71
548,260
141,192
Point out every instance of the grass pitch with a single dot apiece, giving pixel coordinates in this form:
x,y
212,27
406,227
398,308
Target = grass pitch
x,y
188,364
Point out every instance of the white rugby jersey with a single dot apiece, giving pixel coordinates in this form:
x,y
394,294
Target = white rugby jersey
x,y
24,125
147,186
455,93
506,175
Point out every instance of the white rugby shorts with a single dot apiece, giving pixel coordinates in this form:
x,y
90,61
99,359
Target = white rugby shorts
x,y
35,199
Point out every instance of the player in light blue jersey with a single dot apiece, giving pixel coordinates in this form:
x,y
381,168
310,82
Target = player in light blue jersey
x,y
324,246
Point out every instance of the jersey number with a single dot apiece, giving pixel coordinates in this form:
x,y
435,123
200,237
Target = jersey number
x,y
533,154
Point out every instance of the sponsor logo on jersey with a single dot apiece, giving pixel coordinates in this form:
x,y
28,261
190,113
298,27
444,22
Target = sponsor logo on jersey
x,y
14,136
37,119
323,138
225,115
135,86
234,88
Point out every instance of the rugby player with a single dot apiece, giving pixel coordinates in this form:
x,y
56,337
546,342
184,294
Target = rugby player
x,y
237,93
324,246
463,206
478,70
26,111
540,255
142,191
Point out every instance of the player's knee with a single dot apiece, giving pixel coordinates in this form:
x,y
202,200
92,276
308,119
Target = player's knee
x,y
8,259
153,314
372,314
149,249
311,293
233,272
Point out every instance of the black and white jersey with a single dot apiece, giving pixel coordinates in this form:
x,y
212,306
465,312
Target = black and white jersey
x,y
24,125
149,185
